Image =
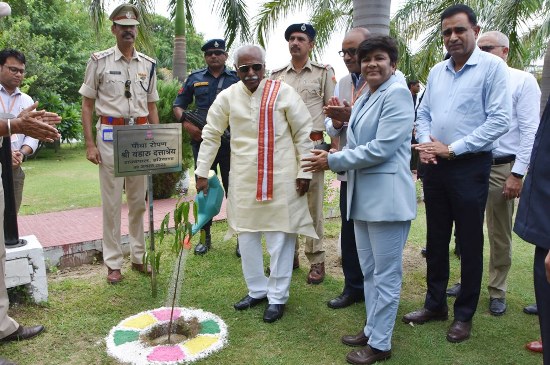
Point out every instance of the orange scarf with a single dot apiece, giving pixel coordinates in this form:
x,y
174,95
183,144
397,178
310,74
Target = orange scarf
x,y
266,141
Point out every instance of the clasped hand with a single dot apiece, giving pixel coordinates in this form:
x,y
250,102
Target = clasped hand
x,y
429,151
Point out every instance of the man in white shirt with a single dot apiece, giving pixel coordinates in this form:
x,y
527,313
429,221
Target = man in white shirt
x,y
510,162
13,101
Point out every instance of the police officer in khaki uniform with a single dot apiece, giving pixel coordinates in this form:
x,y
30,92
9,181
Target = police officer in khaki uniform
x,y
122,84
315,84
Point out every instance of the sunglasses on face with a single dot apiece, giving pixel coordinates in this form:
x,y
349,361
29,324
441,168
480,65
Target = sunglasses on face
x,y
350,51
246,68
210,53
488,48
127,92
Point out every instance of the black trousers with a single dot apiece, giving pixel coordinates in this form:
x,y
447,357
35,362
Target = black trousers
x,y
222,160
456,190
353,276
542,293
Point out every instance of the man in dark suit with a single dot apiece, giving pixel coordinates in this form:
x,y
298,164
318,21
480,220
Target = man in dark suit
x,y
532,223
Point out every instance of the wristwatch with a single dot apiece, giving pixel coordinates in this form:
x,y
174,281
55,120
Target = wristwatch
x,y
515,174
452,154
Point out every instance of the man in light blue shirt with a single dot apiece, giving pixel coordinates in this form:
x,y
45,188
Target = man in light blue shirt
x,y
466,108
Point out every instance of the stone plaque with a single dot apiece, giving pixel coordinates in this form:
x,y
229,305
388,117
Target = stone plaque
x,y
147,149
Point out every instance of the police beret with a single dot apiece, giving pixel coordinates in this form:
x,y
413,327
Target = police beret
x,y
125,14
302,28
5,9
214,44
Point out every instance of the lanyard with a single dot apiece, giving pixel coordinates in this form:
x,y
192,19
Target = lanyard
x,y
12,104
356,95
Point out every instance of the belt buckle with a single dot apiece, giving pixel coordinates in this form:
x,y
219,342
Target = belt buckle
x,y
131,121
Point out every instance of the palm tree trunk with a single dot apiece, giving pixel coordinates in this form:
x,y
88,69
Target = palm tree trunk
x,y
179,66
545,82
372,14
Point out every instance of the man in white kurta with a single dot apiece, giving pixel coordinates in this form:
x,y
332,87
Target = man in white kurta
x,y
270,127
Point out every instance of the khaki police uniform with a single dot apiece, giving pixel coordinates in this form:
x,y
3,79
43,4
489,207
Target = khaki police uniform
x,y
315,84
108,78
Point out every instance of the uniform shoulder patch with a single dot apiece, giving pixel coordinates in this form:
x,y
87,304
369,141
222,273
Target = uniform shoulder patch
x,y
278,69
198,70
150,59
102,54
317,64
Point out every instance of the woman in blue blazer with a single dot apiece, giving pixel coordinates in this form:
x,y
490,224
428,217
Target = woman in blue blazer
x,y
381,195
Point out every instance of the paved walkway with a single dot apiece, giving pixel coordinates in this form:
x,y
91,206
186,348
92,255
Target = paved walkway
x,y
79,230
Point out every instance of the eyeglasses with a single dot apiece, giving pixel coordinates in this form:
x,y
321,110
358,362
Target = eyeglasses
x,y
15,70
210,53
489,48
350,51
127,92
246,68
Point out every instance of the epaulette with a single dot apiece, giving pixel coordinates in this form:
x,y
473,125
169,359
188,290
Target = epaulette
x,y
150,59
278,69
197,70
320,65
102,54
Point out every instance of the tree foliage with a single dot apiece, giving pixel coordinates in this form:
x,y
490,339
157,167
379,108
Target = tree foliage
x,y
162,31
526,23
51,35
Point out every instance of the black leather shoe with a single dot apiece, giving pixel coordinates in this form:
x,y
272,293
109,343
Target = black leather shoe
x,y
201,249
273,312
6,362
454,290
531,309
247,302
344,300
424,315
459,331
367,356
356,340
23,333
497,306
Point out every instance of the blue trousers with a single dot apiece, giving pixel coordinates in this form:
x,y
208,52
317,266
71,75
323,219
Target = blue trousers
x,y
380,248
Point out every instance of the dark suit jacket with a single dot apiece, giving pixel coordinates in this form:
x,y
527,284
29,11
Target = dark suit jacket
x,y
533,216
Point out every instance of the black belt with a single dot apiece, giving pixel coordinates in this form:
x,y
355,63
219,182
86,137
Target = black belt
x,y
504,159
467,156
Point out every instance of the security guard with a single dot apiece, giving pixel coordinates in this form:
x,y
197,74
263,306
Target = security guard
x,y
315,84
203,86
122,84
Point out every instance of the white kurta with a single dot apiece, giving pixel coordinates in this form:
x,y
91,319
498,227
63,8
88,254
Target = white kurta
x,y
239,109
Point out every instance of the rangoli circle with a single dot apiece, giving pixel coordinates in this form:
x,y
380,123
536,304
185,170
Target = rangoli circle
x,y
124,344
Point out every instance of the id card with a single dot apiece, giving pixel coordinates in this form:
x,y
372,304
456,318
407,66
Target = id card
x,y
107,134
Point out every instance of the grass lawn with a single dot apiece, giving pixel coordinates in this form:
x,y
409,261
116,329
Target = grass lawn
x,y
61,180
82,307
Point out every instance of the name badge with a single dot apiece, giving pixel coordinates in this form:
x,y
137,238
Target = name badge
x,y
107,134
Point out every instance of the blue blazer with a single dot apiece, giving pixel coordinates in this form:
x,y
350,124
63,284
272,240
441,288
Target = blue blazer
x,y
533,215
377,156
